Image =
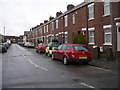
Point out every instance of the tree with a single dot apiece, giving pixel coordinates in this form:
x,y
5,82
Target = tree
x,y
78,39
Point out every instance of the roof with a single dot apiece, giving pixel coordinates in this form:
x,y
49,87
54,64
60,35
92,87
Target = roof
x,y
26,32
67,12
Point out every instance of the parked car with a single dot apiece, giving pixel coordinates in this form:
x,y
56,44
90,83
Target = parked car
x,y
29,44
21,43
6,45
72,53
51,46
3,48
41,47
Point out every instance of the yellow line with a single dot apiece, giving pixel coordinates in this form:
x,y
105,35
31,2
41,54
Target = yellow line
x,y
100,68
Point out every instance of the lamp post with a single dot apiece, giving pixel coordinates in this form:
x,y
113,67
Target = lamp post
x,y
4,34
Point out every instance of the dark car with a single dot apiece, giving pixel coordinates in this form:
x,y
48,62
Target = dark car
x,y
3,48
72,53
41,47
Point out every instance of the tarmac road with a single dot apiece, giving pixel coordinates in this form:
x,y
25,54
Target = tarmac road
x,y
24,68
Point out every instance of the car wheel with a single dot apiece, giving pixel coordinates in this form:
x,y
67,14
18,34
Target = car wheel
x,y
36,50
48,54
40,52
53,57
65,61
86,63
45,53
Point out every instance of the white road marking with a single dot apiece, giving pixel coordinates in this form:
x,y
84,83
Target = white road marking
x,y
89,86
37,66
63,76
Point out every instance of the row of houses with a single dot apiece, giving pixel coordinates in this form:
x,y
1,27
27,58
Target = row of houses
x,y
1,38
98,21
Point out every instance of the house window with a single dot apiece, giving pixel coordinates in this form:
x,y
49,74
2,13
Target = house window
x,y
44,29
91,36
56,24
57,36
52,25
107,35
106,8
73,18
66,20
91,11
84,31
66,37
47,28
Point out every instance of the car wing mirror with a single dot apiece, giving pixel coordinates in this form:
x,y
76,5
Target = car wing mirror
x,y
56,49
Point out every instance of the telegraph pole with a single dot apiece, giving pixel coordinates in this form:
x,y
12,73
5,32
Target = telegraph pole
x,y
4,34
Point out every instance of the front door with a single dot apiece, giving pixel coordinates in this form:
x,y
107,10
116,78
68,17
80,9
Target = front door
x,y
118,38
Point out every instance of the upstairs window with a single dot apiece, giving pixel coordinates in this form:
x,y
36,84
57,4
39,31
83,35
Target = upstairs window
x,y
73,18
66,20
52,25
44,29
56,24
47,28
91,11
106,8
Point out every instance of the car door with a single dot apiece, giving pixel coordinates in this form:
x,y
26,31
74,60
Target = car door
x,y
62,51
57,53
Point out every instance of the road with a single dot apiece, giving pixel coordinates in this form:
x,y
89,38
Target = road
x,y
24,68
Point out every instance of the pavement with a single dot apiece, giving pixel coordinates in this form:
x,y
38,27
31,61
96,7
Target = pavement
x,y
114,66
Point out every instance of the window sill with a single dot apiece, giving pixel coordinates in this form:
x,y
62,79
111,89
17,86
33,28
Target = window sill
x,y
107,44
90,19
106,15
91,43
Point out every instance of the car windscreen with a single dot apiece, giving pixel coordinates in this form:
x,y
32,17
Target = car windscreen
x,y
55,44
81,49
1,46
45,45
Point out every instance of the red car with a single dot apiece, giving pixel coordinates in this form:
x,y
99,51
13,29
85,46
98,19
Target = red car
x,y
41,47
72,53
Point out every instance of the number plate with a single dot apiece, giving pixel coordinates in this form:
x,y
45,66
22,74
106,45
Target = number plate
x,y
82,57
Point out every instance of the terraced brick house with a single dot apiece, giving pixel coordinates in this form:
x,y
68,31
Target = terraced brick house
x,y
98,21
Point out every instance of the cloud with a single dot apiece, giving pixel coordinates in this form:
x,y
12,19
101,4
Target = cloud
x,y
21,15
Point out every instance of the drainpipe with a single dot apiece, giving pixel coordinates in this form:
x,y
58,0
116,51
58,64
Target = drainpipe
x,y
113,31
63,34
87,37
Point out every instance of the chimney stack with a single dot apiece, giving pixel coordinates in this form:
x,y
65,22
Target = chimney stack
x,y
45,21
70,6
58,14
50,18
41,24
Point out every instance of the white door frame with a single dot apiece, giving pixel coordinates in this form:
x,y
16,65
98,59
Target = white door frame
x,y
118,36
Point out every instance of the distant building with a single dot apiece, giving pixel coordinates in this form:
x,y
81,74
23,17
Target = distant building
x,y
1,38
25,36
13,39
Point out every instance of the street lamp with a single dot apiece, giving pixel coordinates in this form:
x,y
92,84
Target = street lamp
x,y
4,33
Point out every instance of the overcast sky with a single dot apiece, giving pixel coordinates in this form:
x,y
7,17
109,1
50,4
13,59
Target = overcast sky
x,y
18,16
